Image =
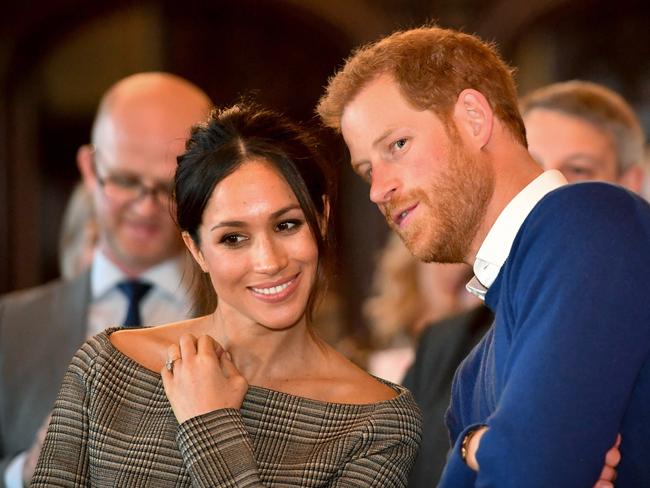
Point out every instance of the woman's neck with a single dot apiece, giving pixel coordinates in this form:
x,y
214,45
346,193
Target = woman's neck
x,y
263,355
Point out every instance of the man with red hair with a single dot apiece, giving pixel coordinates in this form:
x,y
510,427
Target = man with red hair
x,y
431,119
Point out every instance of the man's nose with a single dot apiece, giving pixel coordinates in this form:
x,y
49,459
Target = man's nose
x,y
384,183
147,203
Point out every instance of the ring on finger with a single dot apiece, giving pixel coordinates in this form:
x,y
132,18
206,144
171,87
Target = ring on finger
x,y
169,364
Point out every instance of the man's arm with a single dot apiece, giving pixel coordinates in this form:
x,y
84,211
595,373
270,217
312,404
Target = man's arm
x,y
472,440
571,342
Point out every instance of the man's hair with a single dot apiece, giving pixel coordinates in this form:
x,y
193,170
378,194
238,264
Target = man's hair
x,y
601,107
432,67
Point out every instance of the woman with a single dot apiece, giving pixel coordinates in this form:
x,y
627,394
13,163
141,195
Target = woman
x,y
247,395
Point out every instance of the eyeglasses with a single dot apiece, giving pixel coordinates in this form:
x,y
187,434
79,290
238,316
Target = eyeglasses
x,y
127,188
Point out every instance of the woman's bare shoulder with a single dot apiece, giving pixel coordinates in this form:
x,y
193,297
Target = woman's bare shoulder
x,y
354,385
368,388
148,346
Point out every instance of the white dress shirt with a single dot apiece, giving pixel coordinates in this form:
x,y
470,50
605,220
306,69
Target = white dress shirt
x,y
496,247
167,301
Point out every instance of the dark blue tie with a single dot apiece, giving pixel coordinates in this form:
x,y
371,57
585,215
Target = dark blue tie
x,y
134,290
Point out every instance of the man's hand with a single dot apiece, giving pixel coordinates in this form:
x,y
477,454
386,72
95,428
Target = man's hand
x,y
612,458
472,447
34,452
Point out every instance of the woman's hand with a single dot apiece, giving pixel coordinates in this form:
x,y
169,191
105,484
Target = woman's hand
x,y
201,378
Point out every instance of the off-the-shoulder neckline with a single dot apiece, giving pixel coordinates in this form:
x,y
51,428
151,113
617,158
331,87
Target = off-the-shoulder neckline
x,y
104,337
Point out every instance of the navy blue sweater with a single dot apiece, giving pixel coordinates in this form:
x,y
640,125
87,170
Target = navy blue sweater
x,y
566,365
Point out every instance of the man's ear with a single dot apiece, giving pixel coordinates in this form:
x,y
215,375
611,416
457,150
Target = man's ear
x,y
474,116
194,250
632,178
85,163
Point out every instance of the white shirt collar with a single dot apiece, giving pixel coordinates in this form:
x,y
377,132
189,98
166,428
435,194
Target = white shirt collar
x,y
167,276
498,241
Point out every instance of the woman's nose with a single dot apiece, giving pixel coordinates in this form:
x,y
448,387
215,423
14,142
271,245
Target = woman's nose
x,y
270,256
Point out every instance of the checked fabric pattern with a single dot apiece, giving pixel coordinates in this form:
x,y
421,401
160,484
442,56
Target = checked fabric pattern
x,y
113,426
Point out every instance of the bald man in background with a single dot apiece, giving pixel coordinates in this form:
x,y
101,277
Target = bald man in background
x,y
136,276
586,131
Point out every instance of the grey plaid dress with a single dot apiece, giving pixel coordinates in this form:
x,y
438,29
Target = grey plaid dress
x,y
112,425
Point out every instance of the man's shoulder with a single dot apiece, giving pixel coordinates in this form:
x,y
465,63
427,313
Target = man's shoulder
x,y
592,197
32,299
35,293
581,235
589,210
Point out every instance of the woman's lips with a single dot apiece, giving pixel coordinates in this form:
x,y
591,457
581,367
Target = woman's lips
x,y
275,292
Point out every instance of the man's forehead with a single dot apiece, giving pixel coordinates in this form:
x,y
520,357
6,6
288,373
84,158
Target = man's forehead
x,y
141,130
368,115
373,90
137,160
561,127
126,138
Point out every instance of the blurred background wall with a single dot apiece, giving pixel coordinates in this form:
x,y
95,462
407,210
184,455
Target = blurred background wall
x,y
58,56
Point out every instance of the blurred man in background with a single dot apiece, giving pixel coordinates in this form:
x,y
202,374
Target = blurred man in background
x,y
136,275
586,131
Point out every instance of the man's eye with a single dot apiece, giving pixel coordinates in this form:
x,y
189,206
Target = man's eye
x,y
125,181
365,172
399,143
578,173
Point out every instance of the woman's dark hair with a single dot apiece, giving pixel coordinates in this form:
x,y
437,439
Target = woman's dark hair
x,y
239,134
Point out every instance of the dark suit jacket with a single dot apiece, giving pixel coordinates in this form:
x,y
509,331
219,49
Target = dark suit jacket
x,y
441,348
40,330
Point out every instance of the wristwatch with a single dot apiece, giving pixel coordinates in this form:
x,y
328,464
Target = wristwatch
x,y
465,444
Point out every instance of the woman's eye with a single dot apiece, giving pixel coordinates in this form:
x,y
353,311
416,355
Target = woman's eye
x,y
289,225
232,240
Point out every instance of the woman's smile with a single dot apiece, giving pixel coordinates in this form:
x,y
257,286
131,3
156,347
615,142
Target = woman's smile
x,y
274,293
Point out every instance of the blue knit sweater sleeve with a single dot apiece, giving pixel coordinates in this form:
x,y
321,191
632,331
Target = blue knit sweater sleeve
x,y
571,335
